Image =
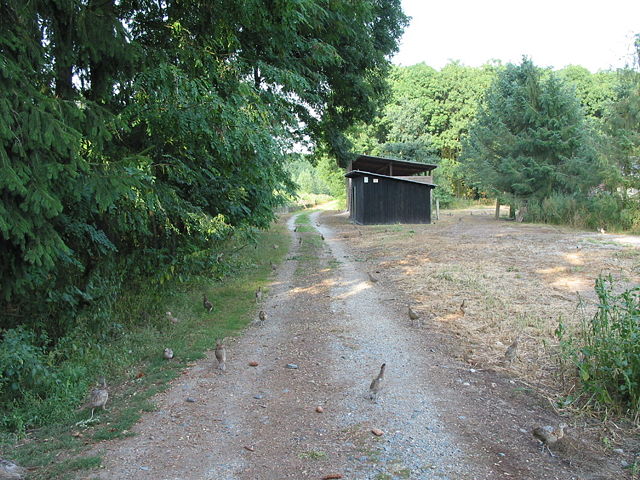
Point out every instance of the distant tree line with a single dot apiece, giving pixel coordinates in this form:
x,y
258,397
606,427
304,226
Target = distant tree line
x,y
565,143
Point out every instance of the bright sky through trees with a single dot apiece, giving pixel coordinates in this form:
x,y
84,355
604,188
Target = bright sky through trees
x,y
595,34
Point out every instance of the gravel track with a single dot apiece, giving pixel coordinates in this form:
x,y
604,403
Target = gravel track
x,y
440,420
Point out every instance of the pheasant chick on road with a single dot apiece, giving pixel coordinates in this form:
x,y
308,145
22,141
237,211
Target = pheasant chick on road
x,y
549,435
413,316
512,352
376,384
221,355
262,316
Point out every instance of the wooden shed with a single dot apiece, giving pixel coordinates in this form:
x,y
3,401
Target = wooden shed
x,y
384,191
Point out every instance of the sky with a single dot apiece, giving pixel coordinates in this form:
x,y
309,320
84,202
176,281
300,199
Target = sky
x,y
596,34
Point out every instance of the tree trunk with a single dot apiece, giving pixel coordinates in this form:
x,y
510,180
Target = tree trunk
x,y
497,209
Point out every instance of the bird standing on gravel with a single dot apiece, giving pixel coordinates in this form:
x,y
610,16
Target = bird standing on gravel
x,y
376,384
168,353
262,316
258,294
549,435
221,355
372,279
512,352
413,316
208,306
98,397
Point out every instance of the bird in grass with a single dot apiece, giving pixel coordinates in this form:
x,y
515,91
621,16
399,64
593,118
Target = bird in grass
x,y
300,241
512,352
549,435
463,305
171,318
221,355
413,316
274,267
372,279
322,236
258,294
208,306
98,397
262,316
376,384
168,353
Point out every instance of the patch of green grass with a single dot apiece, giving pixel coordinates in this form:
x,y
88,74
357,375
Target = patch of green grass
x,y
66,469
404,473
313,454
383,476
130,355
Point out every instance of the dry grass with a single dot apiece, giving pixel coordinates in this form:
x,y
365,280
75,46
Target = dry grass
x,y
517,280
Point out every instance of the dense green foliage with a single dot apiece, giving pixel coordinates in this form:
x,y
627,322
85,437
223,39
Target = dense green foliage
x,y
426,117
138,138
529,139
606,350
566,142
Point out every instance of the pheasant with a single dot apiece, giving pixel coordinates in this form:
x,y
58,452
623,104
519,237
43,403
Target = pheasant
x,y
221,355
98,397
511,352
208,306
413,315
258,294
262,316
171,318
376,384
168,353
372,279
549,435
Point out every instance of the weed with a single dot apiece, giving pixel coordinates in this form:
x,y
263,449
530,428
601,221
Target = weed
x,y
606,349
313,454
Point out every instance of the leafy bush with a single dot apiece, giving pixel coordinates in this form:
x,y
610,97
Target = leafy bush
x,y
604,210
606,349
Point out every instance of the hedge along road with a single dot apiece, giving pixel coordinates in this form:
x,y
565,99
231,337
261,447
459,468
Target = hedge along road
x,y
328,330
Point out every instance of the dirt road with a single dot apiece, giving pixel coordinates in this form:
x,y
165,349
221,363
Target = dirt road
x,y
328,331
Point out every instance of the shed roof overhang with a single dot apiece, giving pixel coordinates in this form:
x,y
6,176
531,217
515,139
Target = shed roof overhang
x,y
359,173
389,166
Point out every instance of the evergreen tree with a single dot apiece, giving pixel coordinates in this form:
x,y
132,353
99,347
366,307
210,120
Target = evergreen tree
x,y
529,139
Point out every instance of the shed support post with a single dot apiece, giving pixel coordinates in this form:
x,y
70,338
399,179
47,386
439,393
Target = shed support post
x,y
497,209
437,209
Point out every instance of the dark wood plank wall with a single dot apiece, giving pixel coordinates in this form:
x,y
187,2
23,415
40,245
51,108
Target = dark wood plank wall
x,y
389,201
